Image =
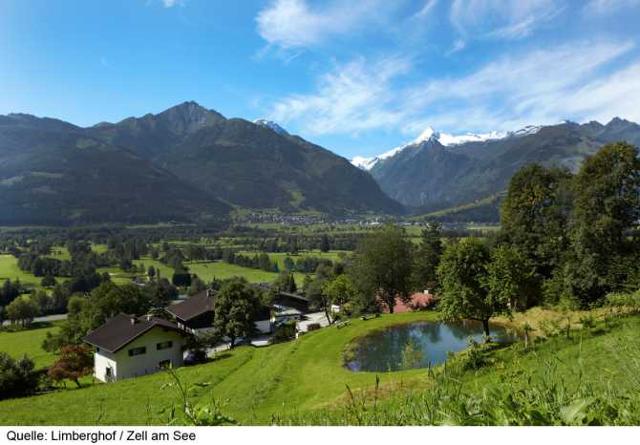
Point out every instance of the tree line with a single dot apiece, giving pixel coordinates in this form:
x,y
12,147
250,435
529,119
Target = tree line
x,y
565,239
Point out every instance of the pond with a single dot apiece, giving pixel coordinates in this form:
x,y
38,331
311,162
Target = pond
x,y
417,345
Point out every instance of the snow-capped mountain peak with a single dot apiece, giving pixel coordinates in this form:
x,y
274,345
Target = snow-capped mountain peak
x,y
529,129
428,134
271,125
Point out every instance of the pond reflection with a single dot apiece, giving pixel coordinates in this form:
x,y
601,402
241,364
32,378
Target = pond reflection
x,y
417,345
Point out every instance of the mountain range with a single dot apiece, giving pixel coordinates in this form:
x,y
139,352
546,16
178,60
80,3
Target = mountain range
x,y
192,164
434,173
186,163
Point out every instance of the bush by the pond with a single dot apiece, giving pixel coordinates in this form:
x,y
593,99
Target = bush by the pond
x,y
474,357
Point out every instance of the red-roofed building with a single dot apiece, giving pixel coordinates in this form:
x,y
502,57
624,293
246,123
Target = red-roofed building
x,y
417,302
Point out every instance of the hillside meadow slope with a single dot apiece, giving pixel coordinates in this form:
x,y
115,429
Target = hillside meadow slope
x,y
304,382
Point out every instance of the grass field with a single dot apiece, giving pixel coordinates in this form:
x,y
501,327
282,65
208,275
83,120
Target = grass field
x,y
333,255
306,376
28,342
207,271
9,270
60,253
165,271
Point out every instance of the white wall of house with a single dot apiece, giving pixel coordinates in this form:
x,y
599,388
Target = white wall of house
x,y
102,361
125,366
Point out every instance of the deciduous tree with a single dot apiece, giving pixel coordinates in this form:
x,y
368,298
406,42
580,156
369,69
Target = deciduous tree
x,y
382,266
463,275
75,361
235,309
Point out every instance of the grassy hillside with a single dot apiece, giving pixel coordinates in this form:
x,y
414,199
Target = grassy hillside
x,y
254,382
304,382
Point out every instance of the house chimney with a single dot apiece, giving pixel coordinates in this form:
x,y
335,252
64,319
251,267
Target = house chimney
x,y
133,320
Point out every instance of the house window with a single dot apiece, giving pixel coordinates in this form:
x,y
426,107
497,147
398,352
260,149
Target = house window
x,y
164,364
137,351
164,345
108,374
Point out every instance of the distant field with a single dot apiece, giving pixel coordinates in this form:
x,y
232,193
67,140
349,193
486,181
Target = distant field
x,y
9,270
99,248
332,255
165,271
59,253
28,342
207,271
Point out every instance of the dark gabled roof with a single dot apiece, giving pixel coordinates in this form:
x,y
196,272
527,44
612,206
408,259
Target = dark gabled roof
x,y
194,306
119,331
295,301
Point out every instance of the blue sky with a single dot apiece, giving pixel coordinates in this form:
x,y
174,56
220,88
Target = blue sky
x,y
356,77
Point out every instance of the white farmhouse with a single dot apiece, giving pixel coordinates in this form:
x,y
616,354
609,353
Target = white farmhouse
x,y
128,346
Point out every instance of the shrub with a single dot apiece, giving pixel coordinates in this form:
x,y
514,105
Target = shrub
x,y
75,361
622,300
474,357
17,377
588,321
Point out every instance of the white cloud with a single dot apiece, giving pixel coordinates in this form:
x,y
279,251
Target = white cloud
x,y
502,19
294,24
574,81
172,3
515,91
458,45
354,97
603,99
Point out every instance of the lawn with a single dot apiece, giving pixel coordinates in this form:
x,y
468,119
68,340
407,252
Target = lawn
x,y
253,382
9,270
306,377
28,342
